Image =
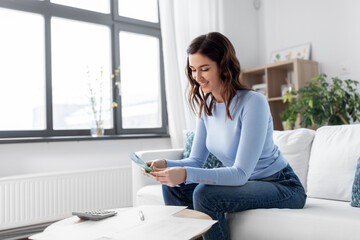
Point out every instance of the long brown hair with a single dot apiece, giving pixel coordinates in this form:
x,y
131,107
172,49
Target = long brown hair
x,y
219,49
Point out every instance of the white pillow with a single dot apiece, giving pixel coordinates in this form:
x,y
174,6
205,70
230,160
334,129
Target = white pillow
x,y
332,164
295,145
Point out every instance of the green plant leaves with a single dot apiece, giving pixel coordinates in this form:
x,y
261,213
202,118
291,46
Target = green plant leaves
x,y
323,102
310,103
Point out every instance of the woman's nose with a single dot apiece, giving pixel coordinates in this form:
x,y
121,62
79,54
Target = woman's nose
x,y
197,75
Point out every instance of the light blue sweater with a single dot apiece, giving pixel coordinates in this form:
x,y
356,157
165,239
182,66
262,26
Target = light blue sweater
x,y
244,144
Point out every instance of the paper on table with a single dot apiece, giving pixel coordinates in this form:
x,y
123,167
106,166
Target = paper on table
x,y
80,231
126,218
174,228
153,212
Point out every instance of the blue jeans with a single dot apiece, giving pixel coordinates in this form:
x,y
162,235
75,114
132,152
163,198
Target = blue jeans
x,y
280,190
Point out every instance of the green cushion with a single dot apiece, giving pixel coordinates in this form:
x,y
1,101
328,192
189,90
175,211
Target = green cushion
x,y
211,161
355,199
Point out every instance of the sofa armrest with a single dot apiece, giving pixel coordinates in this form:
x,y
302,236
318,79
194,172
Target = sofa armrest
x,y
138,179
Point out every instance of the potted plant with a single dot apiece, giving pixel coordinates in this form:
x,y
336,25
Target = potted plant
x,y
323,102
96,97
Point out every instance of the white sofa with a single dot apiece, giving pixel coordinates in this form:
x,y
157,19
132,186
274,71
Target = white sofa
x,y
325,161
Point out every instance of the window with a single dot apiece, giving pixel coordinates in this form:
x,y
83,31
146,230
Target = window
x,y
140,64
22,75
54,53
74,57
139,9
102,6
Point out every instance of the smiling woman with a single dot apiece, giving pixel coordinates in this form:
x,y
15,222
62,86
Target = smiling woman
x,y
216,66
205,72
235,124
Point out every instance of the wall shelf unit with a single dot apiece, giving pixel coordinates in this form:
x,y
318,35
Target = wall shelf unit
x,y
277,78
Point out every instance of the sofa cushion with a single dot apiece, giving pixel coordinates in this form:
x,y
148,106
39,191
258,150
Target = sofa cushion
x,y
320,219
332,163
295,145
355,196
149,195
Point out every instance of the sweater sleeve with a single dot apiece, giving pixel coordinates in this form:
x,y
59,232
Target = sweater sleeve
x,y
198,153
254,123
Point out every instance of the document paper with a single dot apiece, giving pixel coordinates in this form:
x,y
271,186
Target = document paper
x,y
158,223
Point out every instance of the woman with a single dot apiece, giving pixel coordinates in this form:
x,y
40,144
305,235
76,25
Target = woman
x,y
234,124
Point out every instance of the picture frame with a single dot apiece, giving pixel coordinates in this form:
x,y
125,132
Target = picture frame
x,y
301,51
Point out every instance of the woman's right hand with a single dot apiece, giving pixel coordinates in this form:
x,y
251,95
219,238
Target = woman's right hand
x,y
159,163
154,165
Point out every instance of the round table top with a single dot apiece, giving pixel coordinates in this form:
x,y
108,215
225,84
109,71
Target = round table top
x,y
68,222
189,213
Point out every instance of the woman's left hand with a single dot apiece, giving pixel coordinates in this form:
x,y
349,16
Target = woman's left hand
x,y
169,176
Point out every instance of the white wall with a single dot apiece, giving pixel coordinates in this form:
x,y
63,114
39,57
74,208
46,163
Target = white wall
x,y
332,27
240,25
29,158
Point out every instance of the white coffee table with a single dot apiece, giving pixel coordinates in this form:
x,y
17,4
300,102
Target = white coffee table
x,y
161,222
189,213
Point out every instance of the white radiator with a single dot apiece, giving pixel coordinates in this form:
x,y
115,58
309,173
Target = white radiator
x,y
33,199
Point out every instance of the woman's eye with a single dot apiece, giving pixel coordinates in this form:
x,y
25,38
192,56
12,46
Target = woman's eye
x,y
205,70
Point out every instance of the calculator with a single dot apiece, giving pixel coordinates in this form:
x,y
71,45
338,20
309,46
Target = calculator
x,y
95,215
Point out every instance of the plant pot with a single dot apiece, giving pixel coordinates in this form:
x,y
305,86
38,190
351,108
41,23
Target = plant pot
x,y
97,129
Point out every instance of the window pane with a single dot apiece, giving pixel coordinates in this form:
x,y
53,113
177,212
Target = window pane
x,y
146,10
22,71
102,6
140,81
80,62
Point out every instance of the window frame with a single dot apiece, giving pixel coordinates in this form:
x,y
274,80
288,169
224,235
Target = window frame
x,y
116,24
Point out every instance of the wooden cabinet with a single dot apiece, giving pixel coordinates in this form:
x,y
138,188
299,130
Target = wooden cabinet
x,y
275,79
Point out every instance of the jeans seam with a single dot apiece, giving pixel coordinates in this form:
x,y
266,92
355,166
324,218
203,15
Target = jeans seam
x,y
217,218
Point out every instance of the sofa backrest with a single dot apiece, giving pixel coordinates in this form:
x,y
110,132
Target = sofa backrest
x,y
332,163
295,145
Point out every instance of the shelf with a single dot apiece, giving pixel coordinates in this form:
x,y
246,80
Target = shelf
x,y
256,70
276,77
275,99
253,76
276,108
289,64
